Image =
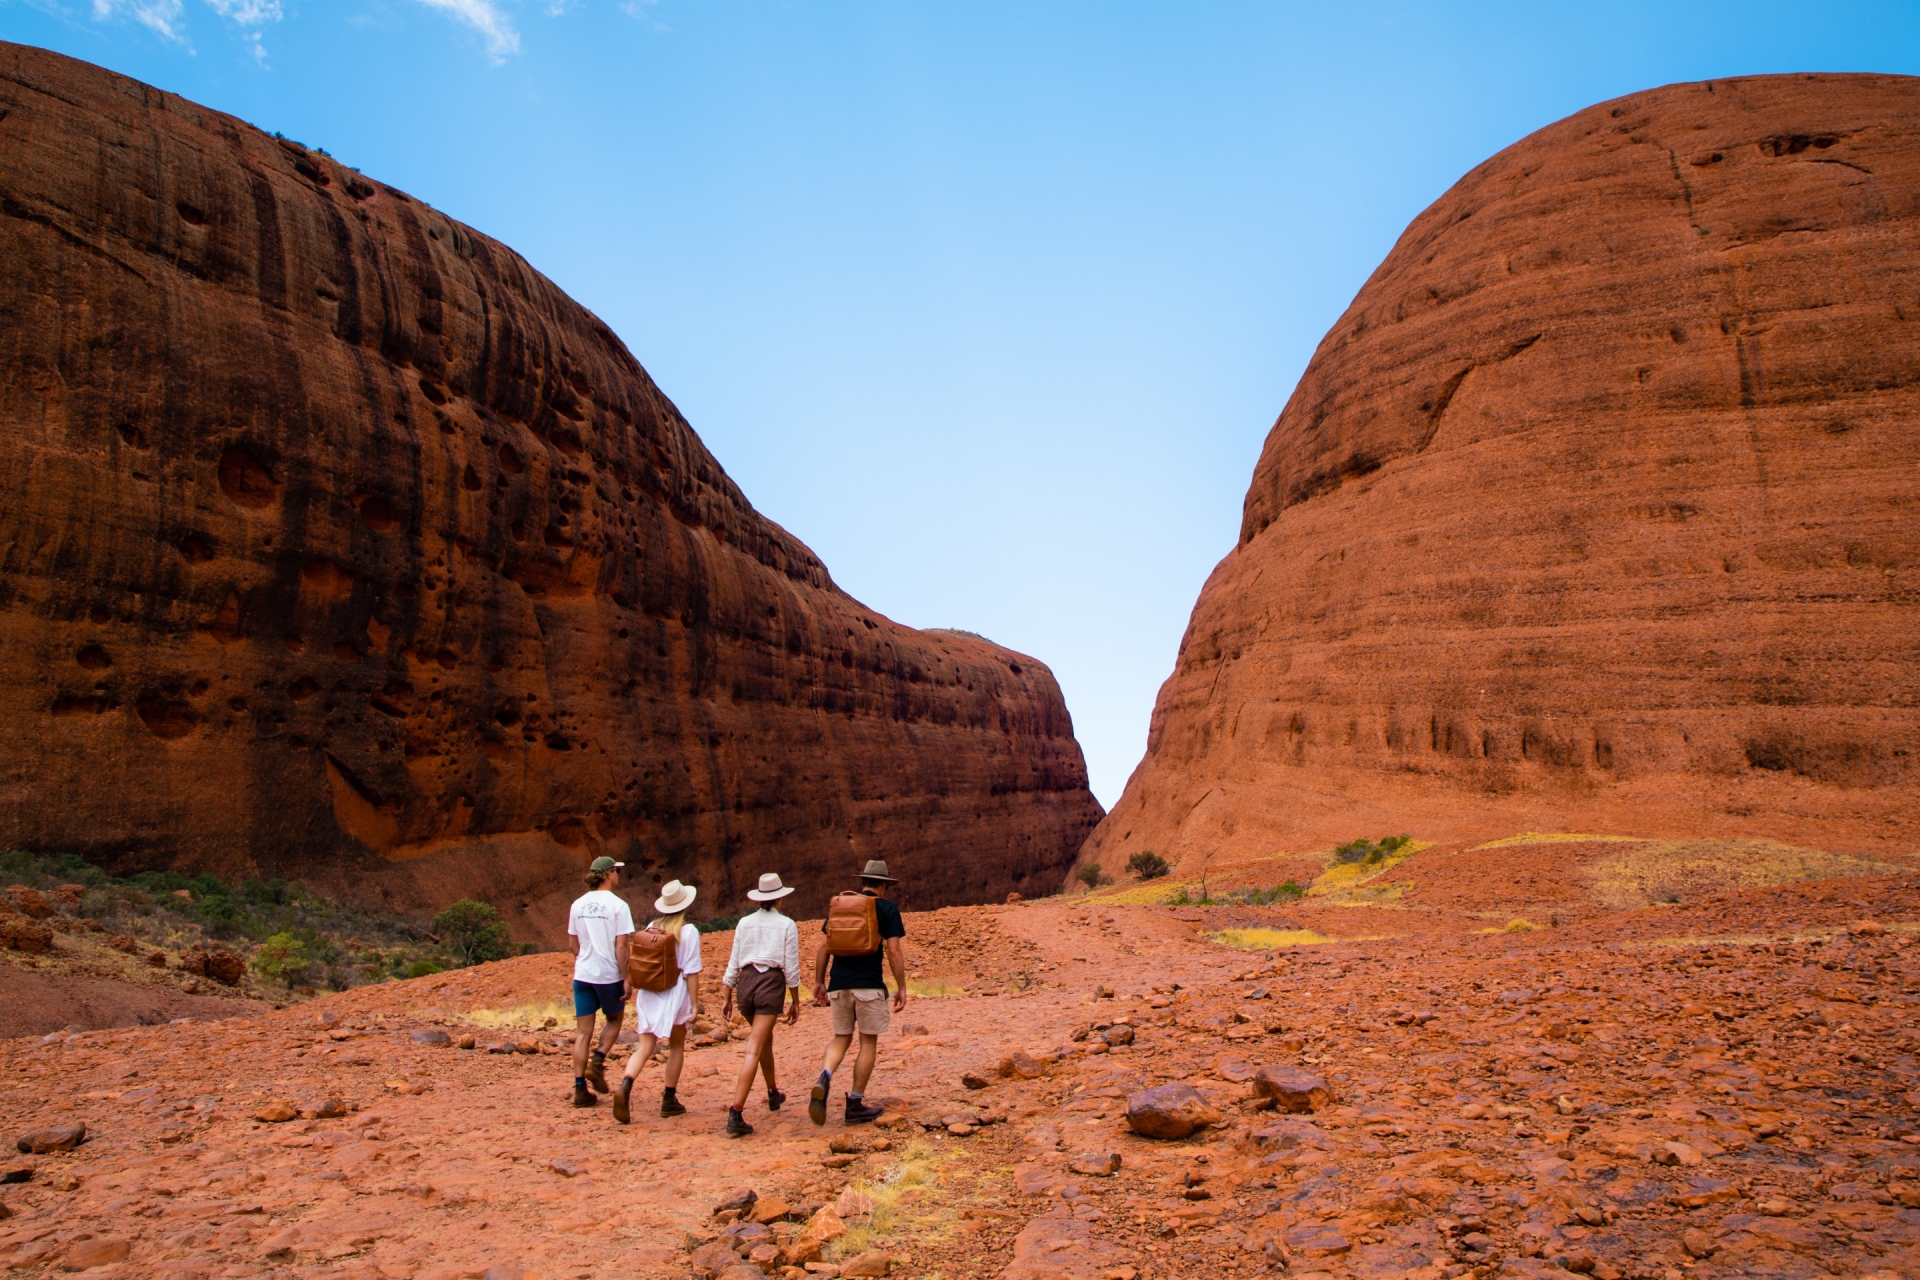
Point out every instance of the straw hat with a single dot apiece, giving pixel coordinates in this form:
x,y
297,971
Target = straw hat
x,y
674,898
770,888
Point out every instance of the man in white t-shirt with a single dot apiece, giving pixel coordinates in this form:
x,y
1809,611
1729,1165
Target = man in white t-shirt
x,y
599,929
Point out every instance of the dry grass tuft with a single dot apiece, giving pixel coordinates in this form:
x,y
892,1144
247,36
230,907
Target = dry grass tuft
x,y
532,1016
1648,872
1264,939
1553,837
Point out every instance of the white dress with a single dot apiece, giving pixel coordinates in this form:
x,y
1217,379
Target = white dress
x,y
657,1013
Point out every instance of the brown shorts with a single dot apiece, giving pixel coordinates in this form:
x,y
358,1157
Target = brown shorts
x,y
760,991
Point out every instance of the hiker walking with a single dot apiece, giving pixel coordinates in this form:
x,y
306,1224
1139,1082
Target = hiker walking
x,y
860,927
763,969
598,929
664,972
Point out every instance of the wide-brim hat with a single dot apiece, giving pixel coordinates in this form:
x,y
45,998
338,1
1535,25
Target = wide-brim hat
x,y
674,898
877,870
770,888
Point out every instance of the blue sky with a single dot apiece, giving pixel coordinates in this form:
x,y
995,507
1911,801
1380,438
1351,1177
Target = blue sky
x,y
992,304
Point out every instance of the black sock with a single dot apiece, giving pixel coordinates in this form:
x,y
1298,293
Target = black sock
x,y
669,1091
598,1056
580,1082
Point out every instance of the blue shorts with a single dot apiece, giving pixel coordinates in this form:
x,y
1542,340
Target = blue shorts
x,y
601,997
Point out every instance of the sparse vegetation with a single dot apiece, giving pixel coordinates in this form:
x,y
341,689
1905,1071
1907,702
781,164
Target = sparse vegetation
x,y
1370,852
1262,939
719,924
295,938
1147,865
1090,875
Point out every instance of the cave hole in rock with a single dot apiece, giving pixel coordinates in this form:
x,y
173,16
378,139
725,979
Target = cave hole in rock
x,y
246,480
93,658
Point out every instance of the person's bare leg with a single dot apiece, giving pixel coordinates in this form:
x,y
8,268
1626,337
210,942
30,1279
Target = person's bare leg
x,y
582,1037
676,1055
758,1038
863,1062
766,1061
642,1054
610,1034
836,1054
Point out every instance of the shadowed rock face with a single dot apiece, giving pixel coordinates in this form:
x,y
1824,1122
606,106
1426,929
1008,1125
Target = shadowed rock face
x,y
340,544
1598,509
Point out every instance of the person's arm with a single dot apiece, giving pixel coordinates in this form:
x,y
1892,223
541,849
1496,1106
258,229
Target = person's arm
x,y
622,949
792,967
820,974
732,975
897,961
693,990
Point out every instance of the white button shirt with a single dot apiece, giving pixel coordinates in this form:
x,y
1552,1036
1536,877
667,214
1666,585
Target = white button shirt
x,y
768,939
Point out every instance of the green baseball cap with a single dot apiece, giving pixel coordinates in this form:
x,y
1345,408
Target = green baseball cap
x,y
606,864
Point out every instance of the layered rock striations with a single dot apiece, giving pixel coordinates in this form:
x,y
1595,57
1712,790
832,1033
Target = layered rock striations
x,y
1599,509
339,543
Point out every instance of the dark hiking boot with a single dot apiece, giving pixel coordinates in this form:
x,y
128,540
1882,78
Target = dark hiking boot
x,y
622,1100
670,1105
775,1099
861,1113
583,1096
597,1074
817,1100
737,1126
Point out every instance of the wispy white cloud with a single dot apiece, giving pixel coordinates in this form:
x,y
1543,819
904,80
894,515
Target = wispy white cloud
x,y
162,16
166,17
486,18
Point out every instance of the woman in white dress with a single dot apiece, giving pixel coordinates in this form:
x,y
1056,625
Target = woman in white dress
x,y
664,1015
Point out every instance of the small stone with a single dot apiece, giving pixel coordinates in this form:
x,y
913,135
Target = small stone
x,y
501,1046
872,1263
1118,1034
1095,1164
18,1173
465,1042
433,1036
975,1079
853,1204
123,942
59,1137
276,1112
30,902
837,1161
771,1209
158,960
961,1130
1169,1111
565,1167
736,1200
1026,1066
1676,1153
320,1107
527,1046
61,1180
1292,1089
826,1225
1698,1244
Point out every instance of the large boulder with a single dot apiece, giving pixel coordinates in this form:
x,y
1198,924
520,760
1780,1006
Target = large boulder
x,y
1594,512
1170,1111
345,546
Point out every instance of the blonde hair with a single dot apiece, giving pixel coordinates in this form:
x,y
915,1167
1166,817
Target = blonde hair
x,y
673,924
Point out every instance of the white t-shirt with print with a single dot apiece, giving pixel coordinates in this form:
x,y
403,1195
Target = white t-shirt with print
x,y
597,919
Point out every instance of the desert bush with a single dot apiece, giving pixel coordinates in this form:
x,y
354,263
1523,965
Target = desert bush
x,y
1370,852
473,932
1088,874
1148,865
281,959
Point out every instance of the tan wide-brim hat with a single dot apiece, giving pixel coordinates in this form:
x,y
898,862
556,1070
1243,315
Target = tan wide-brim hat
x,y
877,870
770,888
674,898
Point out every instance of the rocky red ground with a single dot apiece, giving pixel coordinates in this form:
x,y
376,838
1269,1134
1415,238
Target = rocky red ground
x,y
1726,1085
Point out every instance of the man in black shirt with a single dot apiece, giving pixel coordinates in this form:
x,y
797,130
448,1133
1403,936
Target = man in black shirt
x,y
858,997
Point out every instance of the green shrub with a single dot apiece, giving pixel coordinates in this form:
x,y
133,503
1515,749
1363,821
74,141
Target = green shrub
x,y
281,959
1148,865
473,932
719,924
1088,874
421,968
1370,852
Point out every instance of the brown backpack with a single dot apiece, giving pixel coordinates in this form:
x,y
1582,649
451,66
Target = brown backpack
x,y
853,925
653,960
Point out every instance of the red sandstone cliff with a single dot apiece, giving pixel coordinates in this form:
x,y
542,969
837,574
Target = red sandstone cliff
x,y
339,543
1599,509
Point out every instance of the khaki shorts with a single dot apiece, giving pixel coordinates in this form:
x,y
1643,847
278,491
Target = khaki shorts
x,y
865,1008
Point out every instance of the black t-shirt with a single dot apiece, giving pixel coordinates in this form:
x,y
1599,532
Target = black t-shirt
x,y
865,973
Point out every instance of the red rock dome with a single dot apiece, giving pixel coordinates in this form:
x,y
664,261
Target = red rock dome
x,y
340,544
1599,509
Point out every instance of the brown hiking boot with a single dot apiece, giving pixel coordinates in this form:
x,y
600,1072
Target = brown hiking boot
x,y
861,1113
621,1097
774,1099
737,1126
583,1096
597,1075
670,1104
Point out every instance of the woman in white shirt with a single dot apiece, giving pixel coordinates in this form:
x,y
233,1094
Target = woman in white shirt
x,y
664,1015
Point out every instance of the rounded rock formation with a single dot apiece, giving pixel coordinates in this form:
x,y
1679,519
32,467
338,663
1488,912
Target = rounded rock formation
x,y
341,544
1596,511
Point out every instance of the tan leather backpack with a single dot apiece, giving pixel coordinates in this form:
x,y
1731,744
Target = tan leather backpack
x,y
653,959
853,925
